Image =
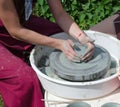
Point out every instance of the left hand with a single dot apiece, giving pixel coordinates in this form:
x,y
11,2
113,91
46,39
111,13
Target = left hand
x,y
85,40
66,47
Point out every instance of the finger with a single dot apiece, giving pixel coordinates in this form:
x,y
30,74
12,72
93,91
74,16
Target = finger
x,y
68,47
70,57
78,56
88,59
88,56
74,58
90,48
88,53
70,42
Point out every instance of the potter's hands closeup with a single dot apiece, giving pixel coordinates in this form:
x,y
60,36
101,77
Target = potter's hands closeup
x,y
85,40
66,46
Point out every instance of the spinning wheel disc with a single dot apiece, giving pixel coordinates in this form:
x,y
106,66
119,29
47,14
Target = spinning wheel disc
x,y
81,71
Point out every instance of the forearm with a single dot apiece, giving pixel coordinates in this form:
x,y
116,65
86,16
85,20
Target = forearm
x,y
63,19
35,38
68,25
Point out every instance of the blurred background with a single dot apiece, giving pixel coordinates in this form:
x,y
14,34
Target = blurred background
x,y
85,12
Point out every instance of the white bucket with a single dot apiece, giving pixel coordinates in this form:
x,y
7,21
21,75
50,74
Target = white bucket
x,y
80,90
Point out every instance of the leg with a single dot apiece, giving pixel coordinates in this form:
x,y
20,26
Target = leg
x,y
106,26
19,85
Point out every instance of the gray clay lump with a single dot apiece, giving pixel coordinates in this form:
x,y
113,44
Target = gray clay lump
x,y
81,71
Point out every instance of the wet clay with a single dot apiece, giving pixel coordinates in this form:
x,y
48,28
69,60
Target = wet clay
x,y
81,71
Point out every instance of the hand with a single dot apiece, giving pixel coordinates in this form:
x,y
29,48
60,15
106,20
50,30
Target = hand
x,y
85,40
66,46
89,54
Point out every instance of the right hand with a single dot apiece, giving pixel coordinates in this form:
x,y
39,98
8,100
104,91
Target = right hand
x,y
85,40
66,46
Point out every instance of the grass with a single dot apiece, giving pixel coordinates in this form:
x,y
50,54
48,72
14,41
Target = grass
x,y
1,102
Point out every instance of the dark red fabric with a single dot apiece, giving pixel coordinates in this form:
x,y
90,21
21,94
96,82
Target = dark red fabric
x,y
42,26
35,23
19,84
1,24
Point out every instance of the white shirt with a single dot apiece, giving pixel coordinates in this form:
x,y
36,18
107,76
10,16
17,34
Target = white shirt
x,y
28,9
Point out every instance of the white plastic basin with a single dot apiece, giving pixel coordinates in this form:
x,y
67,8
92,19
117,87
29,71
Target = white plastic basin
x,y
80,90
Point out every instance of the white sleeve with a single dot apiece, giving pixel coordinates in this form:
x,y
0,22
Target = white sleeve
x,y
28,9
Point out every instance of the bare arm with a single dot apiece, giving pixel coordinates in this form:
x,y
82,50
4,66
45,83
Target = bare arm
x,y
63,19
10,19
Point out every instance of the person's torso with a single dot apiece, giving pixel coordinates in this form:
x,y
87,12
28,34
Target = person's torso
x,y
23,8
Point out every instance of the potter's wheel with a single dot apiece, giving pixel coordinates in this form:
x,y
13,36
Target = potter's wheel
x,y
81,71
57,86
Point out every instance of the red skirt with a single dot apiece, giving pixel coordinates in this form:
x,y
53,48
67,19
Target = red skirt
x,y
19,84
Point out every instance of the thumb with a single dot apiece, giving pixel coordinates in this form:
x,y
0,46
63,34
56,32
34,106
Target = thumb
x,y
70,42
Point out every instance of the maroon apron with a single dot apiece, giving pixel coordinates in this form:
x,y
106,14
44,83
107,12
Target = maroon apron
x,y
19,84
37,24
